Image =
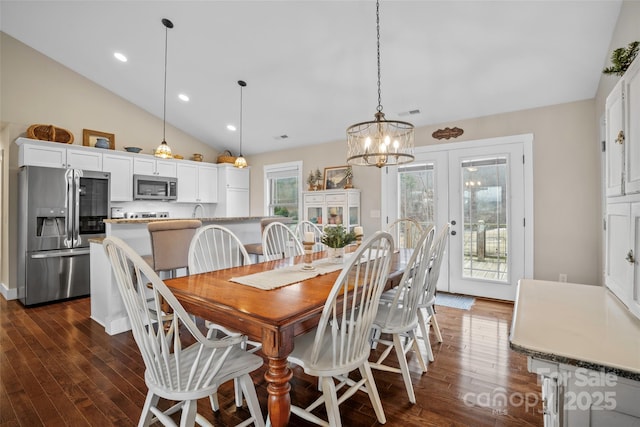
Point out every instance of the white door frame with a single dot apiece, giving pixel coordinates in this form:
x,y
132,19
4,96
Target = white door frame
x,y
527,141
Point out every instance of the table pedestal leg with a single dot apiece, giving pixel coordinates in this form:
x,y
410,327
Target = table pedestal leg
x,y
279,403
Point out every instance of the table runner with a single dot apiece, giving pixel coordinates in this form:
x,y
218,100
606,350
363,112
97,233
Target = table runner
x,y
273,279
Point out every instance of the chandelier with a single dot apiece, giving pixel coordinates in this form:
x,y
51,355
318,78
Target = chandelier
x,y
380,142
163,150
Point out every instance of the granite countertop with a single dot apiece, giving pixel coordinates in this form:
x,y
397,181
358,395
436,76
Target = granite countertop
x,y
203,219
581,325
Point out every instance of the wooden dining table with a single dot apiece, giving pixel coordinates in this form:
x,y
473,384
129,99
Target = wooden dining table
x,y
272,317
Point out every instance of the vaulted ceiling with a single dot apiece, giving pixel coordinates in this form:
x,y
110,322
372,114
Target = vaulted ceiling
x,y
310,65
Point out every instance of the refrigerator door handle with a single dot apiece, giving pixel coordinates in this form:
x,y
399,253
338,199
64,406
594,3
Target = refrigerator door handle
x,y
58,254
76,220
68,221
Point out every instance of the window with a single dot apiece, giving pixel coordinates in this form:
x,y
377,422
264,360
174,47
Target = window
x,y
282,189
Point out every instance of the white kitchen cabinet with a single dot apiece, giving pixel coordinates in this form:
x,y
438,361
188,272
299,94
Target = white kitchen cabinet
x,y
55,155
149,165
622,150
233,191
197,182
573,396
121,168
622,272
332,207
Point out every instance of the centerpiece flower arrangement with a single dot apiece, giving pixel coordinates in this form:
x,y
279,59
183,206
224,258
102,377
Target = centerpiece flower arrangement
x,y
336,238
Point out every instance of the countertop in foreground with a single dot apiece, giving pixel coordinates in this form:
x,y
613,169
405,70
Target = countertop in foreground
x,y
581,325
203,219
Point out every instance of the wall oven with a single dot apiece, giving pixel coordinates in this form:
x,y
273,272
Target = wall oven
x,y
148,187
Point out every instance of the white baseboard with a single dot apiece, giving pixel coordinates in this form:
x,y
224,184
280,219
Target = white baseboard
x,y
7,293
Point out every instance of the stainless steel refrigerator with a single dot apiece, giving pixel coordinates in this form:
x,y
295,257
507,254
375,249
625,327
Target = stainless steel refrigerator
x,y
59,211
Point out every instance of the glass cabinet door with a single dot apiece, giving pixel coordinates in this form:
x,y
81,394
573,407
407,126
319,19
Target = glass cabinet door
x,y
354,215
314,213
335,215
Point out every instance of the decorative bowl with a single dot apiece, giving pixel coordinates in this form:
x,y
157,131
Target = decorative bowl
x,y
133,149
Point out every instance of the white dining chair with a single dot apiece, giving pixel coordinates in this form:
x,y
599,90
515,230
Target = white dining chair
x,y
307,226
406,232
279,241
181,364
340,342
215,247
399,317
426,310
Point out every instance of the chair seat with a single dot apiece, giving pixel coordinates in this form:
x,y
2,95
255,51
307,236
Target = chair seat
x,y
395,324
303,346
239,362
254,248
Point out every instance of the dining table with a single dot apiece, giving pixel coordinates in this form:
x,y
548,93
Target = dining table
x,y
273,317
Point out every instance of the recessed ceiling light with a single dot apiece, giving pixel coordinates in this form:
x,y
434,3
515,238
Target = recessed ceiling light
x,y
231,128
120,57
183,97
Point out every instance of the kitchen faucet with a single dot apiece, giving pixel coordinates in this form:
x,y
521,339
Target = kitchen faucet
x,y
195,209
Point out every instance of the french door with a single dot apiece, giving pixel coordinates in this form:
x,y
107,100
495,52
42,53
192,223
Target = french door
x,y
481,189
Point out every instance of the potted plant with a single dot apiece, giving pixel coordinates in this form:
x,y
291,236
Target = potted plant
x,y
336,238
311,180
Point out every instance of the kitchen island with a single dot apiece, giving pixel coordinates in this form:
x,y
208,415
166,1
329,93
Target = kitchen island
x,y
585,346
106,304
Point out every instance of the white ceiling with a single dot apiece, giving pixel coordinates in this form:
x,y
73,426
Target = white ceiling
x,y
310,66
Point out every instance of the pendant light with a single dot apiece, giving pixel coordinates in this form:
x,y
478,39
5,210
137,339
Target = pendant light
x,y
380,142
241,162
163,150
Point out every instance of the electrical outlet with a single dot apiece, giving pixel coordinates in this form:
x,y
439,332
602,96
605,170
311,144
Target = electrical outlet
x,y
562,277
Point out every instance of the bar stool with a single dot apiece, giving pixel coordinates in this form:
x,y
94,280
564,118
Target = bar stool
x,y
170,242
255,249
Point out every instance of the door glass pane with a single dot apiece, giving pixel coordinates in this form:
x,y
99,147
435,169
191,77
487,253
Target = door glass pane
x,y
416,193
485,225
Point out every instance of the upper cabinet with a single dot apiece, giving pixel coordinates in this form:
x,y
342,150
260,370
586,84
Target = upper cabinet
x,y
121,168
56,155
233,191
197,182
149,165
623,135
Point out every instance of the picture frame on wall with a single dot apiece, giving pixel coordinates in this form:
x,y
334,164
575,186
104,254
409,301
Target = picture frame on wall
x,y
90,138
335,177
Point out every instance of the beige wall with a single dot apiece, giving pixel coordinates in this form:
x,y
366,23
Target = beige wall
x,y
36,89
566,181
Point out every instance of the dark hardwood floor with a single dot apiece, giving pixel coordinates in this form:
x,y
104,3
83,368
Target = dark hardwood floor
x,y
58,367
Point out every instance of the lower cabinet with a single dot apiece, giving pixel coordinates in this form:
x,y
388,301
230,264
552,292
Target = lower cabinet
x,y
575,397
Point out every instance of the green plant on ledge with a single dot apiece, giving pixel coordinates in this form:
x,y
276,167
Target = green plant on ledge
x,y
337,237
621,58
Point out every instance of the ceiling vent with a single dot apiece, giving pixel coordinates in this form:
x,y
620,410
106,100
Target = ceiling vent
x,y
409,113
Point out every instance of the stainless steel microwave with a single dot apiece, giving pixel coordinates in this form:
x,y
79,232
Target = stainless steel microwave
x,y
148,187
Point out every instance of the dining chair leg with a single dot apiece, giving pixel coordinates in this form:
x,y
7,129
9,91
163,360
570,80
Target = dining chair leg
x,y
416,349
404,366
213,400
249,391
331,402
434,322
189,410
372,391
146,416
424,330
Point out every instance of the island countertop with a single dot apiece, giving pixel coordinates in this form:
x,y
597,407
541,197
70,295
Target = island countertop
x,y
203,219
581,325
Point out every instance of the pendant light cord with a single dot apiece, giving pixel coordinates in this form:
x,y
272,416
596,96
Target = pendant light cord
x,y
241,119
379,109
164,107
